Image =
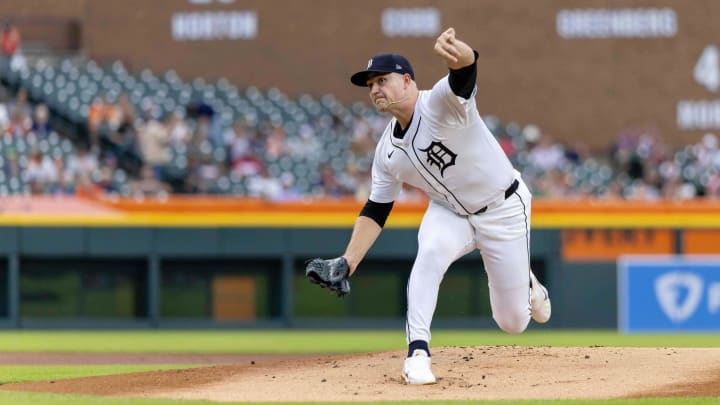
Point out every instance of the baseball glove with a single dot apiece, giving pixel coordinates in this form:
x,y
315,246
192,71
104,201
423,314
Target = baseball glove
x,y
331,274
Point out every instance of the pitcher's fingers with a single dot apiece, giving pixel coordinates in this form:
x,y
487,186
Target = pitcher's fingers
x,y
450,38
445,35
445,54
450,49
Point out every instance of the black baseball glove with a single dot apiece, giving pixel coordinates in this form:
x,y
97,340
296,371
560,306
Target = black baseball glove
x,y
331,274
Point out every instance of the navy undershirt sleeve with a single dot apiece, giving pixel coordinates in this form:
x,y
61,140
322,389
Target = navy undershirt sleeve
x,y
378,212
462,81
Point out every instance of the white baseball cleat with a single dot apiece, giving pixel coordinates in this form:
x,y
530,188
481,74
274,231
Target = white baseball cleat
x,y
539,300
416,369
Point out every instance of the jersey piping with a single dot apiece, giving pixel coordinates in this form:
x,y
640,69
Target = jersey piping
x,y
413,163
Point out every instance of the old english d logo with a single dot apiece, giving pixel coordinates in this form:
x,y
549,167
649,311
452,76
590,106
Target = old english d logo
x,y
678,294
440,156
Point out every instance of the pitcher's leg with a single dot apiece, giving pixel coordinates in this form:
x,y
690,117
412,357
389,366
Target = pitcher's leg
x,y
443,237
503,237
508,269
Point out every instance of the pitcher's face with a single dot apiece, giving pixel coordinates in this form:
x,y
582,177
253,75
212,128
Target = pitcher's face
x,y
386,89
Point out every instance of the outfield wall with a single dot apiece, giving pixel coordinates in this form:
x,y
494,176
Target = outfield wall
x,y
212,263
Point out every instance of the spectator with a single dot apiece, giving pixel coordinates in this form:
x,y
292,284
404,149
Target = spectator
x,y
202,172
19,125
239,140
202,130
126,114
64,181
122,139
103,119
148,184
707,152
356,178
105,182
264,186
363,142
288,191
577,153
304,145
84,166
208,173
547,155
154,139
83,161
208,122
243,161
41,172
329,185
40,123
712,187
4,117
10,46
554,183
178,129
21,104
276,142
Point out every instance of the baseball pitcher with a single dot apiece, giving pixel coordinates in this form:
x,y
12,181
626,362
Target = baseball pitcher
x,y
438,142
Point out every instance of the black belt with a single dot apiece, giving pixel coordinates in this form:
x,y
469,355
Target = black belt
x,y
510,191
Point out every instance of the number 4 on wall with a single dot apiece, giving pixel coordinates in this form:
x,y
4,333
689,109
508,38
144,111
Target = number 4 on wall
x,y
707,68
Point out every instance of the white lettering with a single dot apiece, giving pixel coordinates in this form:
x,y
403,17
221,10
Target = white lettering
x,y
714,298
618,23
707,68
698,114
214,26
411,22
203,2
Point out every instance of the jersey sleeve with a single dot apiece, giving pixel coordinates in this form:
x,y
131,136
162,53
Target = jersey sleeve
x,y
385,187
447,109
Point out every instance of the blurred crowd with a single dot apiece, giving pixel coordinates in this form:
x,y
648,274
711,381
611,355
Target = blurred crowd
x,y
148,153
637,165
189,151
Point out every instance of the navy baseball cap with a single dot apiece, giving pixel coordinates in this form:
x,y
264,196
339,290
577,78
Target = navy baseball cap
x,y
383,63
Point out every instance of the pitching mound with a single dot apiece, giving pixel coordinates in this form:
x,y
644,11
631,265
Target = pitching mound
x,y
472,373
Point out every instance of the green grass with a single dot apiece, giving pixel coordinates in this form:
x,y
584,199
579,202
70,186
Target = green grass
x,y
287,341
316,341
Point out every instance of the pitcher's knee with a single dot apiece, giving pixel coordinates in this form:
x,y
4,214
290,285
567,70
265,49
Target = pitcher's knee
x,y
431,259
515,323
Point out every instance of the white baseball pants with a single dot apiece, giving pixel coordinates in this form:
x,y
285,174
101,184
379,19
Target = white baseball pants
x,y
501,234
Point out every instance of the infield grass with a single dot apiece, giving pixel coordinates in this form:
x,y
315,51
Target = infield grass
x,y
287,341
318,341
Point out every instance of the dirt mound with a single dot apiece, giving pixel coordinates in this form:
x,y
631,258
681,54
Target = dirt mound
x,y
471,373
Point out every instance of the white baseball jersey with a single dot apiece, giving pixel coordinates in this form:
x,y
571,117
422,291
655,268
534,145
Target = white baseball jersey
x,y
447,151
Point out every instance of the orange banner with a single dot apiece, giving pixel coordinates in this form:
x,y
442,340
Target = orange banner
x,y
701,241
608,244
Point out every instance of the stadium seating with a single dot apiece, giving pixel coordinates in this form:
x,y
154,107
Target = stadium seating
x,y
318,131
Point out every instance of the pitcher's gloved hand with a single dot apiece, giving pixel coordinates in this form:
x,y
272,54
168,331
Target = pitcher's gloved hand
x,y
330,273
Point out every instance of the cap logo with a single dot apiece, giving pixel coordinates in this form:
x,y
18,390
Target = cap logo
x,y
369,63
398,67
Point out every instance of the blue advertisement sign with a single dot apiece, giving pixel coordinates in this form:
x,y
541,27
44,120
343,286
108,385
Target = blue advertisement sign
x,y
669,294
